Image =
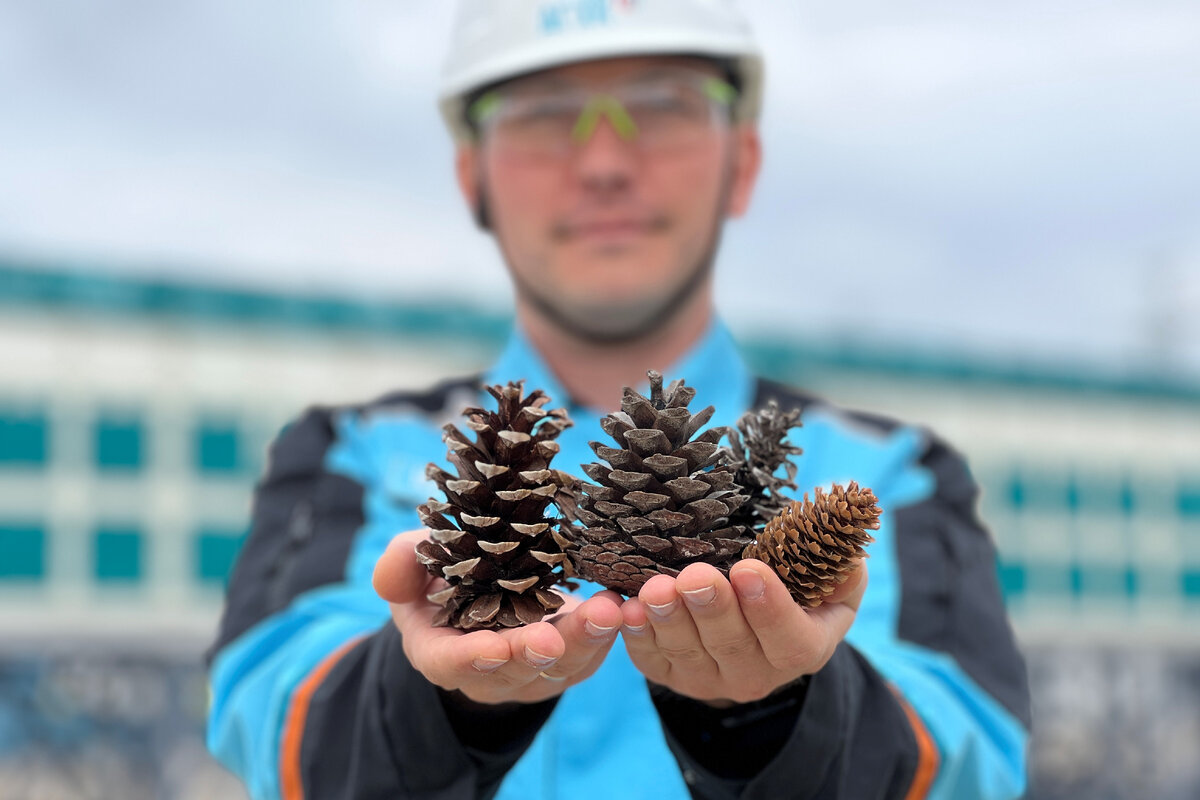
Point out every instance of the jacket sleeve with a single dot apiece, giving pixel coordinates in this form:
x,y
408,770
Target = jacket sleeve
x,y
311,693
928,699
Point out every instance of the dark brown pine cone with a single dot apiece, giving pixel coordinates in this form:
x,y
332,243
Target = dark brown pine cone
x,y
759,451
814,546
662,500
491,538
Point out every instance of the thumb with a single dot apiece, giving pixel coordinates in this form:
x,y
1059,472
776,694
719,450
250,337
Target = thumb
x,y
399,577
851,590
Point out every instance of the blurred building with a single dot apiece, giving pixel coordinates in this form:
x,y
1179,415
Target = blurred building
x,y
134,416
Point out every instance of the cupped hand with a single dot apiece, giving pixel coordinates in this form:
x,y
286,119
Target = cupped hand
x,y
524,665
737,640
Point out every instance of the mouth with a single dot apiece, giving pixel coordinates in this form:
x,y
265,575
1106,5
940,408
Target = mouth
x,y
607,230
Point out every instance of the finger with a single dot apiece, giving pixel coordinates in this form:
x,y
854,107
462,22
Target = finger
x,y
588,631
837,613
675,634
639,642
452,659
792,642
589,669
399,577
533,649
727,637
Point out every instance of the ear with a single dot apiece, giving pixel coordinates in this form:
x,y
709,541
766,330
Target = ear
x,y
747,160
466,170
470,183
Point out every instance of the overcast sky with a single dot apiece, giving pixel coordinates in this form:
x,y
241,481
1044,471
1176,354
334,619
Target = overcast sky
x,y
1018,179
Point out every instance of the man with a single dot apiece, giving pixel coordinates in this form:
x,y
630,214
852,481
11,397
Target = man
x,y
604,145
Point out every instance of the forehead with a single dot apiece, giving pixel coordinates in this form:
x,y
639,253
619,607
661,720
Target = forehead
x,y
614,70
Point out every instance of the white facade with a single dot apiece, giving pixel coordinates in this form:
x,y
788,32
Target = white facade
x,y
1091,489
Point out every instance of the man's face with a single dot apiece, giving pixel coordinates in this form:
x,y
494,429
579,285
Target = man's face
x,y
613,230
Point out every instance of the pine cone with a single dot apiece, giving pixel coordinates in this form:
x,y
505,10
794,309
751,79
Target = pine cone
x,y
663,500
760,450
491,539
813,545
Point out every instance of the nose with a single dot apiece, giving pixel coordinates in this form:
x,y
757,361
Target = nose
x,y
605,163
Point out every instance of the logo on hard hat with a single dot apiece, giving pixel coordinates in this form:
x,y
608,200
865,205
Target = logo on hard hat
x,y
563,15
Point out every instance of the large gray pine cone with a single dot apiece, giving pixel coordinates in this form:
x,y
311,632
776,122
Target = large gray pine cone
x,y
662,499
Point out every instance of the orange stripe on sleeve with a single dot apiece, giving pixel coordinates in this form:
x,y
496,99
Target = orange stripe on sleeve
x,y
290,782
927,752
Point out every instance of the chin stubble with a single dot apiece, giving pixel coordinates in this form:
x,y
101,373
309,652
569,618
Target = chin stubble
x,y
604,325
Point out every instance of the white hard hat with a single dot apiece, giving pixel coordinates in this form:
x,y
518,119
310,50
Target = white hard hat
x,y
494,40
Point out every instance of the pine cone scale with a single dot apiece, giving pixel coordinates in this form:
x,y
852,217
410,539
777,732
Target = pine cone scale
x,y
666,467
632,525
647,443
630,481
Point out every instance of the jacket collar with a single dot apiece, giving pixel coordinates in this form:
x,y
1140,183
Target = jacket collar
x,y
712,366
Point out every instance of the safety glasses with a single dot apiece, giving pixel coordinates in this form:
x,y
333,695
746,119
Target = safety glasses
x,y
544,120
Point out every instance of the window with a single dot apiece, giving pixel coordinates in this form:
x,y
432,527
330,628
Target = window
x,y
1053,490
218,448
1128,498
1071,494
1016,490
215,553
1110,581
1042,578
1189,583
1012,579
1103,492
117,554
118,443
1187,501
22,551
24,437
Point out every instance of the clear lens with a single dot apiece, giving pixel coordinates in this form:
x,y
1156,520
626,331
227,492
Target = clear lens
x,y
549,122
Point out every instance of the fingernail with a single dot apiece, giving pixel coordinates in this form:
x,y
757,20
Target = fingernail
x,y
635,630
698,598
749,584
537,659
598,631
489,664
663,611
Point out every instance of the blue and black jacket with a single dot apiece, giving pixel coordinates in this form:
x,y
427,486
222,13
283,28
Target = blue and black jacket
x,y
312,695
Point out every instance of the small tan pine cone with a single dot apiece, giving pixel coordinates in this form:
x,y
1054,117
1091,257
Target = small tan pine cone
x,y
814,545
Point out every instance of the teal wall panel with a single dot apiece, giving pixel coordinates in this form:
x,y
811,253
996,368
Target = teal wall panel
x,y
24,438
215,552
22,551
118,554
1107,581
218,448
1187,501
1012,579
118,443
